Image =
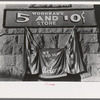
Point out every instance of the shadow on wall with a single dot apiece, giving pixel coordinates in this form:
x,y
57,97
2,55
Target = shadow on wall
x,y
97,15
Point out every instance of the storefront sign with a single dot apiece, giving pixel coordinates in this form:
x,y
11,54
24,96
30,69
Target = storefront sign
x,y
48,18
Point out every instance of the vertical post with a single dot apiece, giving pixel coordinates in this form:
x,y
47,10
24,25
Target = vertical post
x,y
74,28
24,54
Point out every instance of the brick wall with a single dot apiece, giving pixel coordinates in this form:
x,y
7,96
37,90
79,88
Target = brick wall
x,y
12,47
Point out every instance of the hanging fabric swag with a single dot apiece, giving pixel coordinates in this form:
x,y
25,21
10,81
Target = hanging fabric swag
x,y
53,62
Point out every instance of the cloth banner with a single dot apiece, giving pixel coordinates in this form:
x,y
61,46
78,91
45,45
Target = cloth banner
x,y
53,62
74,60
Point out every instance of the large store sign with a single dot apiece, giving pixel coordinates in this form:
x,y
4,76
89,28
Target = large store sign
x,y
48,18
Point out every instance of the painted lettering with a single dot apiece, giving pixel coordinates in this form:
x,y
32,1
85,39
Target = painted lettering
x,y
49,18
22,18
46,70
75,18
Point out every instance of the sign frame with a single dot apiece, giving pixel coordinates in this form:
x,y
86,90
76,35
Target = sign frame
x,y
43,9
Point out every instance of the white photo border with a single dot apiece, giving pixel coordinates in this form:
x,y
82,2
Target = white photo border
x,y
49,89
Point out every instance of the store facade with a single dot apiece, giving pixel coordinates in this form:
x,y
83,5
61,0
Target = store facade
x,y
51,26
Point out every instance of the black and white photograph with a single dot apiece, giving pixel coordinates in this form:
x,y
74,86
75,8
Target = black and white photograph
x,y
50,42
49,50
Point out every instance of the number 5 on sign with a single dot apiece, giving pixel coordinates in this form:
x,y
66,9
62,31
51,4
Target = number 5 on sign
x,y
22,18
